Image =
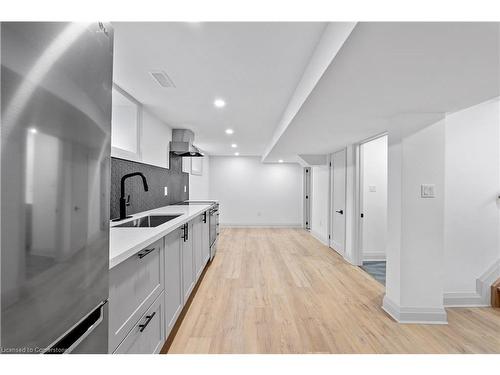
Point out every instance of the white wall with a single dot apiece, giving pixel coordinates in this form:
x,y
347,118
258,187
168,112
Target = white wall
x,y
320,185
416,246
255,194
471,210
199,185
374,190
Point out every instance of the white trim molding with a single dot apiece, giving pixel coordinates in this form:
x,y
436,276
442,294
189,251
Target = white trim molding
x,y
463,299
373,256
481,297
484,282
414,315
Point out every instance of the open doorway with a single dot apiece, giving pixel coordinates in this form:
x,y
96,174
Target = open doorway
x,y
373,206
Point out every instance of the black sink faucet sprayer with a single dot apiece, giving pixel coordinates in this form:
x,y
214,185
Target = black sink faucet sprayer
x,y
124,203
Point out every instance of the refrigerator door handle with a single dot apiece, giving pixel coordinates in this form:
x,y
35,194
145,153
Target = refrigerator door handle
x,y
70,340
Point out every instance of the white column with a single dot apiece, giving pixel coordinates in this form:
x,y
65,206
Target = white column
x,y
414,285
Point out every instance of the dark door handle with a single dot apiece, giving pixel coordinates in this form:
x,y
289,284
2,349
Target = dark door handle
x,y
142,327
340,212
145,252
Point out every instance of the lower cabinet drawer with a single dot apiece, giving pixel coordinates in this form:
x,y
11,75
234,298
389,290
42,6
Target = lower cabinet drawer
x,y
133,286
148,334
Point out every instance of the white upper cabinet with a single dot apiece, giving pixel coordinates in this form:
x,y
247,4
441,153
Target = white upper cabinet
x,y
197,166
136,134
186,164
156,137
125,128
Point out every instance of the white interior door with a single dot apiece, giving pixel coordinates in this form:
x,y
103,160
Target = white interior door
x,y
337,240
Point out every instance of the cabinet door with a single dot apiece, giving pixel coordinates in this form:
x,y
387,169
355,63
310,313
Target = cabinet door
x,y
133,286
186,164
148,334
156,136
197,245
125,129
205,238
173,278
187,261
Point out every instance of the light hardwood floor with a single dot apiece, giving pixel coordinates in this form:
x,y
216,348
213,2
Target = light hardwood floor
x,y
282,291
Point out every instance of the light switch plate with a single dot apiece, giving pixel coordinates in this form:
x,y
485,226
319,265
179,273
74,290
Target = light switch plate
x,y
427,191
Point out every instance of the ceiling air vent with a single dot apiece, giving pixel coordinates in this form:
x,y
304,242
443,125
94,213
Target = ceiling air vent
x,y
162,78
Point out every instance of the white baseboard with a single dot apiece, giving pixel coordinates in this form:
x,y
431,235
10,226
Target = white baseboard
x,y
414,315
319,237
373,256
463,299
481,297
250,225
484,282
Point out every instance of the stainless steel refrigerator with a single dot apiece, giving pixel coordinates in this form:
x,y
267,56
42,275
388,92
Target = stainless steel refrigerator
x,y
56,81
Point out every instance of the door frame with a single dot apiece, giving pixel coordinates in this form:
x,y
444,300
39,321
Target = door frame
x,y
307,198
358,198
331,211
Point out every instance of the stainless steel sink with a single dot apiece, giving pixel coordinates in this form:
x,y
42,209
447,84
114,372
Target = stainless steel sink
x,y
147,221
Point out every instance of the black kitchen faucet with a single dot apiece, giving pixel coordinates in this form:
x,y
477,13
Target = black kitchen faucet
x,y
124,203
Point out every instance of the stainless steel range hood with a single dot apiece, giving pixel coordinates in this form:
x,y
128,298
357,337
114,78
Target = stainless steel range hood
x,y
182,143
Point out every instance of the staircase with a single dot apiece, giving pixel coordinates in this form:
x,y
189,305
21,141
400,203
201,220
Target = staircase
x,y
495,294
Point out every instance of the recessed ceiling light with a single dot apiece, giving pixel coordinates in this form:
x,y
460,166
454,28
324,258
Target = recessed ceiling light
x,y
280,161
229,131
234,145
236,153
219,103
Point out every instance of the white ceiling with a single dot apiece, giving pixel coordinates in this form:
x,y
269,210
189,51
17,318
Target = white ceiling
x,y
391,76
255,67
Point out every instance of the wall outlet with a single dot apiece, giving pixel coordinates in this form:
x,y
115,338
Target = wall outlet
x,y
427,191
165,190
372,188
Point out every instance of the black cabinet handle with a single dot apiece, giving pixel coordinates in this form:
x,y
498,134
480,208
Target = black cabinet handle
x,y
340,212
185,233
205,216
142,327
145,252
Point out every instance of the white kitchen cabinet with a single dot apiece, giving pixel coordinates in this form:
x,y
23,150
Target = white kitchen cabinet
x,y
155,141
197,166
186,164
148,334
125,125
174,297
198,245
149,290
188,272
133,285
136,134
205,238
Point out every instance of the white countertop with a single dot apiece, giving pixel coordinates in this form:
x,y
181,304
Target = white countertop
x,y
125,242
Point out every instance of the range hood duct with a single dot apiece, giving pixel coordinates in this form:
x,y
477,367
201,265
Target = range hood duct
x,y
182,143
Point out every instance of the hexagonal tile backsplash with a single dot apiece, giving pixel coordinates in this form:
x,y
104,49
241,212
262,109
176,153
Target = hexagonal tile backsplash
x,y
157,178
